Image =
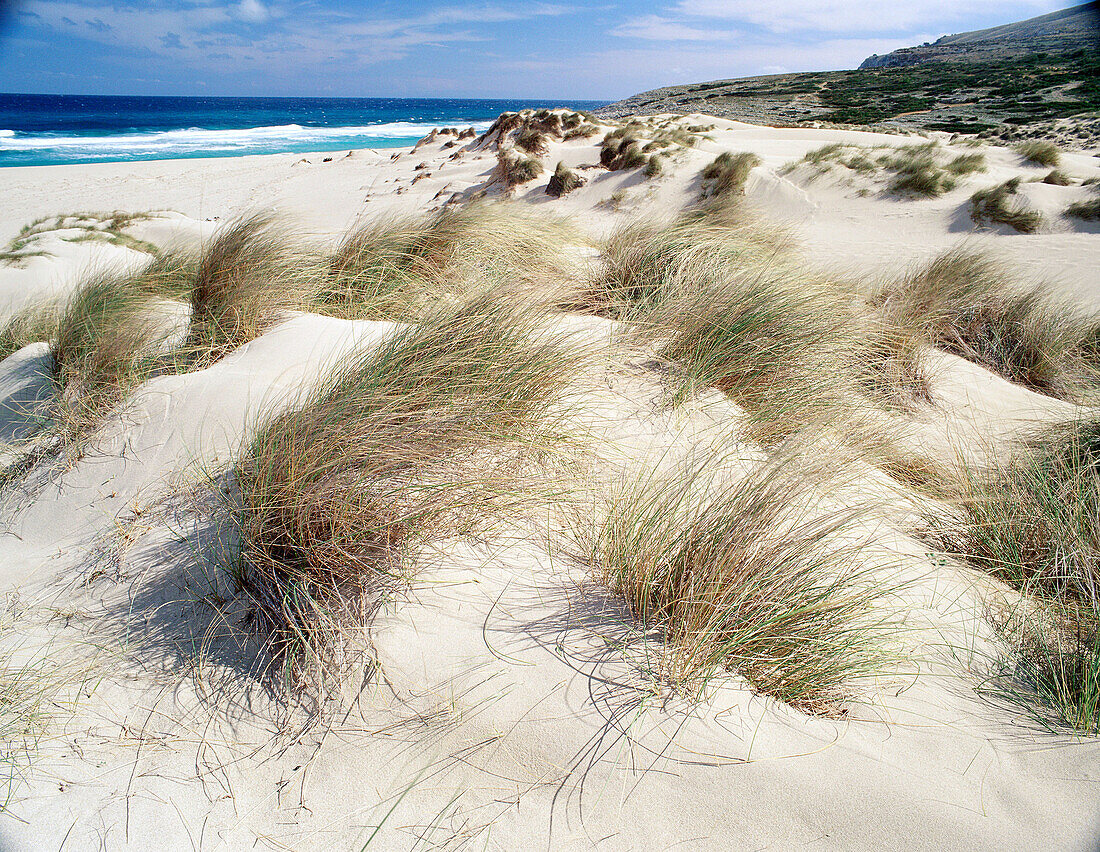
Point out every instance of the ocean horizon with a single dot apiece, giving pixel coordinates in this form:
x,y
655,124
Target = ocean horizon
x,y
42,130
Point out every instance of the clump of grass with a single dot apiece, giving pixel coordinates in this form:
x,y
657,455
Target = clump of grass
x,y
248,275
532,140
563,181
583,131
1089,209
35,323
1034,523
775,344
824,154
1056,177
107,341
999,204
916,171
107,228
1054,661
621,149
727,173
922,170
745,577
654,166
513,169
966,164
928,182
427,436
393,267
1039,152
969,305
649,262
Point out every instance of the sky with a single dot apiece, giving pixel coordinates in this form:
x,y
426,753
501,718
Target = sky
x,y
444,48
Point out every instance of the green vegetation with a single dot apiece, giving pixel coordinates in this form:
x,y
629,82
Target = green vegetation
x,y
107,228
957,97
727,173
1089,209
248,275
999,204
34,323
1039,152
1034,523
924,170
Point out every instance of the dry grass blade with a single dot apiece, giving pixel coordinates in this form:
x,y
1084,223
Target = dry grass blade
x,y
427,436
748,577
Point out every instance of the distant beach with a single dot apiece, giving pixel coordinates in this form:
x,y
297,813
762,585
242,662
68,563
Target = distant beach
x,y
41,130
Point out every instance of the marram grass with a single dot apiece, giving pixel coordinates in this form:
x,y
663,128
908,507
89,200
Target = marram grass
x,y
747,576
427,436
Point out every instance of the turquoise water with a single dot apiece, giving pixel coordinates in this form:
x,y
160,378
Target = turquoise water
x,y
39,130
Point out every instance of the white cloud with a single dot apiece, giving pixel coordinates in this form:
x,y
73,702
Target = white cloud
x,y
852,16
657,28
253,11
299,34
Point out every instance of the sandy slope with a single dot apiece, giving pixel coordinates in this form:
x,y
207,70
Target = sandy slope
x,y
510,709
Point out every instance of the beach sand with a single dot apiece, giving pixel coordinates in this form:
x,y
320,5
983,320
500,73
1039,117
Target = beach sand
x,y
509,708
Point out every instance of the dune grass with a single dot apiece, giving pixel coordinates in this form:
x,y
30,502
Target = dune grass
x,y
999,204
34,323
1034,523
1039,152
514,169
1089,209
772,342
1056,177
251,272
107,228
395,267
1053,663
745,577
648,262
564,181
925,170
654,166
727,173
970,305
107,341
917,171
430,435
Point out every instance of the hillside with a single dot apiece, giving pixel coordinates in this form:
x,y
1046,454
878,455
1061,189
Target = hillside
x,y
1061,32
1006,92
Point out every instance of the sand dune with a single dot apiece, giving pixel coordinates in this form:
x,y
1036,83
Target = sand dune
x,y
504,697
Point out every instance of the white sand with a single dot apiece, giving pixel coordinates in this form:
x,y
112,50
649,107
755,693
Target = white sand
x,y
505,714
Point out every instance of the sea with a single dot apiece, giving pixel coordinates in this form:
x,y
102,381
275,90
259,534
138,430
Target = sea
x,y
43,130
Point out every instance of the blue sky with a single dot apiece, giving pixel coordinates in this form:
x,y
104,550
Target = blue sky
x,y
495,48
